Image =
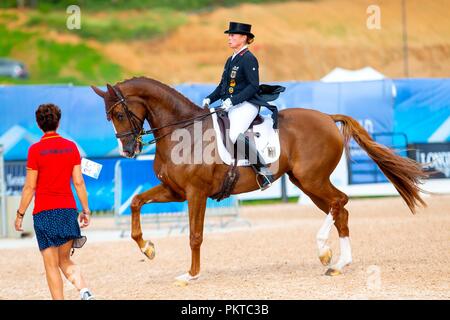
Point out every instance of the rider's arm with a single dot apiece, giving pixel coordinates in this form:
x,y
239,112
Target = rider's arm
x,y
251,73
215,95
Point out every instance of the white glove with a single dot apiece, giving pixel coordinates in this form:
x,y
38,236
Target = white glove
x,y
227,104
206,102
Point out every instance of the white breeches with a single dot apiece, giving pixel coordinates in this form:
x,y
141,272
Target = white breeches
x,y
241,116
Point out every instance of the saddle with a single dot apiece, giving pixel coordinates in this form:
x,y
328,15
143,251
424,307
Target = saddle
x,y
224,125
261,131
265,138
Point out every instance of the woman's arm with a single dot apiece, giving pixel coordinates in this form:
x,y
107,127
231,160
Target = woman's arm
x,y
80,188
27,195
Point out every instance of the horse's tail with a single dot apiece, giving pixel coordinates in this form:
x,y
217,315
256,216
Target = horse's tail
x,y
404,173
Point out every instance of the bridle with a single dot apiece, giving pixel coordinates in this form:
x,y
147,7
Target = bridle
x,y
136,129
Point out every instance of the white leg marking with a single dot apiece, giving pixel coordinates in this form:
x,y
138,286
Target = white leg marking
x,y
323,234
147,244
186,277
345,256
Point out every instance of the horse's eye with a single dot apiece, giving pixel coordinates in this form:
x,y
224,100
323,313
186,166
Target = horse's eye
x,y
119,116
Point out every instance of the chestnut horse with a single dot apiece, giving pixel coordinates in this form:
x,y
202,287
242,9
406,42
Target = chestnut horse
x,y
311,147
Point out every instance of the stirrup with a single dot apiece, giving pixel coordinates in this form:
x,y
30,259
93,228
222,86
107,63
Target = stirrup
x,y
262,188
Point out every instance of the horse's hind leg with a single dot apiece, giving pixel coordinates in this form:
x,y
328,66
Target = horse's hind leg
x,y
331,201
334,201
156,194
345,257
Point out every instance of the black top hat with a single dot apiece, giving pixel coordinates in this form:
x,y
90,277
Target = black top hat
x,y
240,28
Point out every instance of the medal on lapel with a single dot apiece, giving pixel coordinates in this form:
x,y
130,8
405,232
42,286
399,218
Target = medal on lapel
x,y
233,72
231,90
232,83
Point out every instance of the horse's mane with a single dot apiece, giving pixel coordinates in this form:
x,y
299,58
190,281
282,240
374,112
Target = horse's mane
x,y
171,92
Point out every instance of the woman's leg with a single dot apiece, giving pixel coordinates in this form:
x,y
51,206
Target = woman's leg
x,y
71,271
241,116
54,280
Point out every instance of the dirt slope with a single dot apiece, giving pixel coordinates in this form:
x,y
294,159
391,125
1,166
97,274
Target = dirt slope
x,y
300,41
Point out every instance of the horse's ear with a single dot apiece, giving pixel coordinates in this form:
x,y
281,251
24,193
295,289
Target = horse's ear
x,y
98,91
110,90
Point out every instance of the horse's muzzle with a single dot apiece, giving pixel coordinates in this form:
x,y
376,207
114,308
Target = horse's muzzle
x,y
132,149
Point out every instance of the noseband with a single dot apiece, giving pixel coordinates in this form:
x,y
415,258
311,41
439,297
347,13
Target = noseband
x,y
136,129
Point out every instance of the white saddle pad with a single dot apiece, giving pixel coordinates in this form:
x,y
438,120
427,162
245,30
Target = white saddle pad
x,y
266,139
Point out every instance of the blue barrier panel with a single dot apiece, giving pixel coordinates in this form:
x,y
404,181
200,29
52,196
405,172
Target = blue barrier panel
x,y
101,190
422,109
138,176
83,120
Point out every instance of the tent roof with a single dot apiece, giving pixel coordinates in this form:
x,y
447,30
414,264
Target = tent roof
x,y
344,75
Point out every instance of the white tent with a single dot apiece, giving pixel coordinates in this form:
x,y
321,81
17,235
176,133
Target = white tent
x,y
344,75
364,74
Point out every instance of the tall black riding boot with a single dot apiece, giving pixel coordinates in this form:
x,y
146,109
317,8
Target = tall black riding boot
x,y
264,176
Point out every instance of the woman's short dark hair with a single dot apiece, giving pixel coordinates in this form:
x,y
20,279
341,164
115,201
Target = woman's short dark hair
x,y
48,116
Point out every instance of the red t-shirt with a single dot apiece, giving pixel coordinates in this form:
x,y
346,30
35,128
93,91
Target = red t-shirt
x,y
54,158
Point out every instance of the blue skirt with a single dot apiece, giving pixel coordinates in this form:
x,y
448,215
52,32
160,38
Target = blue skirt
x,y
55,227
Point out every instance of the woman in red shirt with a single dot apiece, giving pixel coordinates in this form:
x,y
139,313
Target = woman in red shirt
x,y
52,163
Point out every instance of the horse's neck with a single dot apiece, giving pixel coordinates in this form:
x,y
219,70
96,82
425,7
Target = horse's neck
x,y
166,107
170,113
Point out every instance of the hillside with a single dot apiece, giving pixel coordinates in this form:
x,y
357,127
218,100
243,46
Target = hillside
x,y
304,41
294,41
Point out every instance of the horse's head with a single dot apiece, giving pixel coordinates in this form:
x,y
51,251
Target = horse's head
x,y
127,113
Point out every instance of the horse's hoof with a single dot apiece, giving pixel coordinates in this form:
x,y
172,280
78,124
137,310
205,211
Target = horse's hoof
x,y
325,257
149,250
185,279
333,272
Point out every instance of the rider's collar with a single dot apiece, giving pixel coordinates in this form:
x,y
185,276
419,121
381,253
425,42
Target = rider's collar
x,y
236,53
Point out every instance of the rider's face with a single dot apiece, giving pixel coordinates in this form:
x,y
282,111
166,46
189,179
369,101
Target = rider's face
x,y
236,41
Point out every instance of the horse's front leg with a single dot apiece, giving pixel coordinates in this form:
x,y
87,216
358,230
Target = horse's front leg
x,y
160,193
197,207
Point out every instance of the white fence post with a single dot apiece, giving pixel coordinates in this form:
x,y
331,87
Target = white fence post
x,y
117,188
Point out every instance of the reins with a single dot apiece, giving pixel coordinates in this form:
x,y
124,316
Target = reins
x,y
138,132
189,122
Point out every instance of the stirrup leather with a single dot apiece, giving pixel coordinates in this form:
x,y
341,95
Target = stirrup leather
x,y
262,188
